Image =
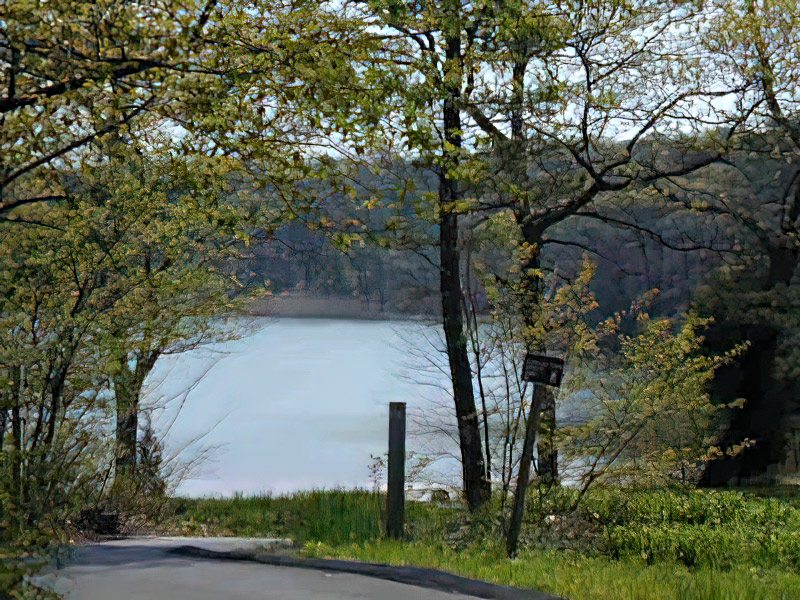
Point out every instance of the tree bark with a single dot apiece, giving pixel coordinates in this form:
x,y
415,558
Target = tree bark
x,y
17,491
127,420
547,463
476,486
770,399
4,416
547,467
128,384
547,453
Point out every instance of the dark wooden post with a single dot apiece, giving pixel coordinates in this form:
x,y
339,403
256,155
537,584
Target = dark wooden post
x,y
395,497
541,371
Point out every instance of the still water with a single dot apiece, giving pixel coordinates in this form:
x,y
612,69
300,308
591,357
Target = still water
x,y
298,404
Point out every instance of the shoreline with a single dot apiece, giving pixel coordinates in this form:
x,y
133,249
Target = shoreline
x,y
297,306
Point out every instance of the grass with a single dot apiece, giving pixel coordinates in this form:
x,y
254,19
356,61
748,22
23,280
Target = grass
x,y
577,576
334,517
699,545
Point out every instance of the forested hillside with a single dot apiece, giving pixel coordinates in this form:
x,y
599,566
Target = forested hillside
x,y
647,246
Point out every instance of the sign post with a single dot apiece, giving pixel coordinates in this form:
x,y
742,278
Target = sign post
x,y
541,371
395,496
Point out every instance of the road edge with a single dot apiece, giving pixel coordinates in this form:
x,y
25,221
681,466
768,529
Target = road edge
x,y
416,576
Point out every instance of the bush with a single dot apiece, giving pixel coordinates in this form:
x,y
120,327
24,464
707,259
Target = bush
x,y
698,528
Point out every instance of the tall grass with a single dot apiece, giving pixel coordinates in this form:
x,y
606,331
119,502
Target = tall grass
x,y
333,517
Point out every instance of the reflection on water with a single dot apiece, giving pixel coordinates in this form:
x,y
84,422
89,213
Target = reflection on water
x,y
300,404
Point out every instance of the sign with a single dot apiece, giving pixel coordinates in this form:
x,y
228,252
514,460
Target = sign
x,y
543,369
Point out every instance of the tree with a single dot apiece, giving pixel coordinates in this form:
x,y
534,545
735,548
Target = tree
x,y
134,136
132,266
585,103
549,109
199,78
756,45
649,418
76,72
169,240
426,46
52,309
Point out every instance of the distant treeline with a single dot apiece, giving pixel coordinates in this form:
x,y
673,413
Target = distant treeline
x,y
382,277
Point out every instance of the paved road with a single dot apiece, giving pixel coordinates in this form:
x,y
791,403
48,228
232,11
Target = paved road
x,y
143,569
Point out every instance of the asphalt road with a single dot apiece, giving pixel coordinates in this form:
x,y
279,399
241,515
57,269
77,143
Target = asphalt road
x,y
144,569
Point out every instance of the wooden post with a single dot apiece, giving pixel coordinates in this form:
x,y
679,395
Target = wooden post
x,y
395,497
524,475
541,371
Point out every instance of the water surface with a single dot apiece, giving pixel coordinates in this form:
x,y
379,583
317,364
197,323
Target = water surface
x,y
300,404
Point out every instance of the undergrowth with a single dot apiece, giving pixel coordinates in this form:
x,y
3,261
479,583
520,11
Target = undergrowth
x,y
621,544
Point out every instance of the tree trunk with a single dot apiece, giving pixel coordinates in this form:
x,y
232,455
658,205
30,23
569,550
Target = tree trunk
x,y
127,398
16,463
547,467
4,416
476,486
128,383
771,401
547,463
471,312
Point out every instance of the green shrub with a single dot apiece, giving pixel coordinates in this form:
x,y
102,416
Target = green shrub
x,y
708,528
